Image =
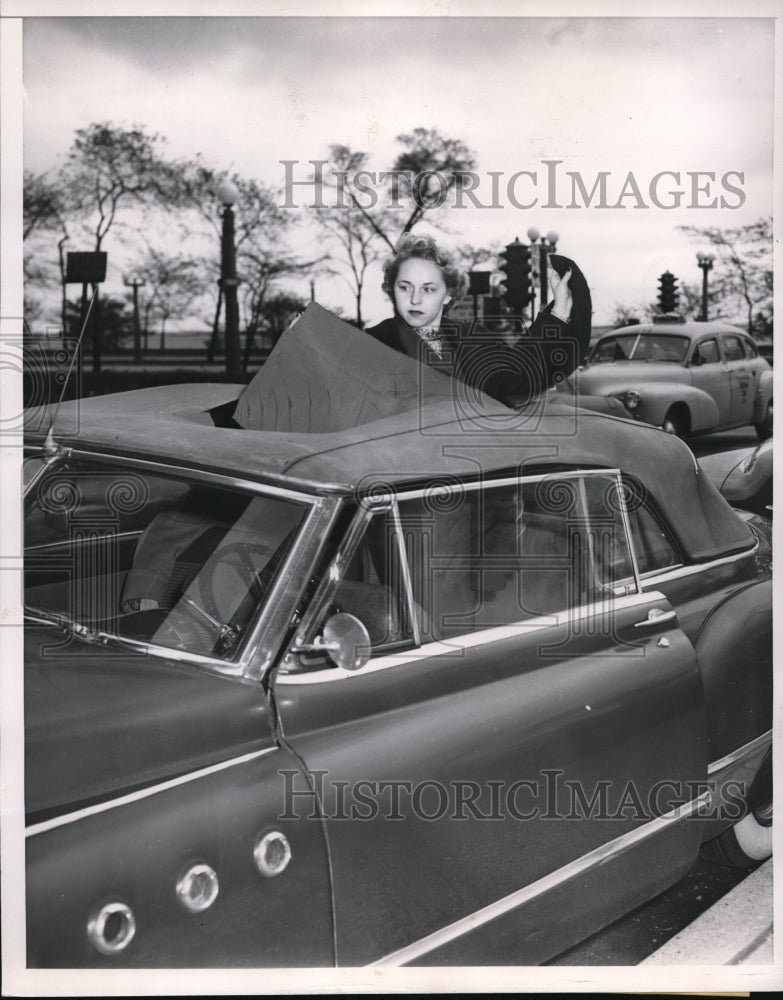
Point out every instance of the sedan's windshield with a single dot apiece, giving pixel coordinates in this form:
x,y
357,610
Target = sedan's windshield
x,y
151,558
640,347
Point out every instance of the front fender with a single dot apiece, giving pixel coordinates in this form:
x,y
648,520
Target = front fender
x,y
658,397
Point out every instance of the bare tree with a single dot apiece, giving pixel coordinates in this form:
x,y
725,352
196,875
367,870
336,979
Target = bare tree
x,y
171,285
430,168
45,211
742,273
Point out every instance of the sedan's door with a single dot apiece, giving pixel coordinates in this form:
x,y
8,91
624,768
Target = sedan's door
x,y
741,377
709,373
528,737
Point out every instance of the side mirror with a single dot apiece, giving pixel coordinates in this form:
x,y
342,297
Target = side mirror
x,y
344,639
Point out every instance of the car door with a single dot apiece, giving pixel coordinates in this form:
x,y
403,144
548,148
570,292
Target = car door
x,y
709,373
526,738
741,379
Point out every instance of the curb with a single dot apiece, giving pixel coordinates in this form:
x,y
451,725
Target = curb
x,y
737,930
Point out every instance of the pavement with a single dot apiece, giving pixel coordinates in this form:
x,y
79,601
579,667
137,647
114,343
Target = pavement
x,y
737,930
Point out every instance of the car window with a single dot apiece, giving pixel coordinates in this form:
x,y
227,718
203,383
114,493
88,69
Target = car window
x,y
705,353
659,347
617,348
750,348
482,558
654,547
373,587
641,347
151,558
732,348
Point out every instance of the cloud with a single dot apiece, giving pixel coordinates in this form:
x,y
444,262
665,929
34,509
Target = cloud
x,y
619,95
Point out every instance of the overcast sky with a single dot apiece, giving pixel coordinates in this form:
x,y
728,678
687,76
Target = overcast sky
x,y
622,95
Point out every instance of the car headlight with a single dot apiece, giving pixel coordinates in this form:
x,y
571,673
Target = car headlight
x,y
632,399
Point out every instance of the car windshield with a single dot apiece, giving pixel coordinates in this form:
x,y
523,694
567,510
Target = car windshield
x,y
147,558
640,347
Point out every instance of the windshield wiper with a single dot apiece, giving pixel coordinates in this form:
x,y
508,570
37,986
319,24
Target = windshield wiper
x,y
37,616
91,636
227,633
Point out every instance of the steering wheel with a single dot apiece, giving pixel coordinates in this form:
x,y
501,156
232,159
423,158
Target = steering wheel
x,y
243,558
184,628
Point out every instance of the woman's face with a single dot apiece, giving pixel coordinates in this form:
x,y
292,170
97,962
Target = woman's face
x,y
420,293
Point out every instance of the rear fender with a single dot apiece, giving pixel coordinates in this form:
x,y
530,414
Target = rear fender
x,y
734,649
763,396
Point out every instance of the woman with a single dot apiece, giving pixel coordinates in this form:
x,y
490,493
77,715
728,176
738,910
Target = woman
x,y
422,280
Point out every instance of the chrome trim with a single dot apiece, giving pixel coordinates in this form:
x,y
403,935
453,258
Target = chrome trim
x,y
290,580
744,751
407,582
598,856
691,568
629,539
488,482
96,928
655,616
272,853
197,888
469,640
143,793
188,472
333,575
59,544
278,615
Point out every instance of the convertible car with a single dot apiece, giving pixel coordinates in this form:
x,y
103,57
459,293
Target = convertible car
x,y
332,670
688,378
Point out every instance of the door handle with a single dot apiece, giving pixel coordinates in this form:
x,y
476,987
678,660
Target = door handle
x,y
655,616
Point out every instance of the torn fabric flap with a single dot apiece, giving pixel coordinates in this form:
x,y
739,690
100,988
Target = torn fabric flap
x,y
325,375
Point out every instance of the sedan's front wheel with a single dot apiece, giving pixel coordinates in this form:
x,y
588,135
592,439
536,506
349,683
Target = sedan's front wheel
x,y
764,429
673,423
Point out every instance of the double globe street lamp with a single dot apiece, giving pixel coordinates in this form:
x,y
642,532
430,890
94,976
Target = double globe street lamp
x,y
228,194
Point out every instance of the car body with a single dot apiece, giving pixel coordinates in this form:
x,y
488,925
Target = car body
x,y
743,476
412,688
688,377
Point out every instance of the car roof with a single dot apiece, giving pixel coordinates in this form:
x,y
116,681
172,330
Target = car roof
x,y
692,329
464,437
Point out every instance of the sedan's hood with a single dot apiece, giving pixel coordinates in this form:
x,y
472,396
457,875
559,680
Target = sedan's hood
x,y
101,722
617,376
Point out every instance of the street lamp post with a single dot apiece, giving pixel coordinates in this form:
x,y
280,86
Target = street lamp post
x,y
227,195
547,245
135,283
705,263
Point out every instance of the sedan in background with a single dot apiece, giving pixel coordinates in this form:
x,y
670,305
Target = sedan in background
x,y
687,377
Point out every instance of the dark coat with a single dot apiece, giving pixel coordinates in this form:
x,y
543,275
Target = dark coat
x,y
544,354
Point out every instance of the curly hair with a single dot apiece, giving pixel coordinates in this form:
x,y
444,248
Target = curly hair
x,y
423,247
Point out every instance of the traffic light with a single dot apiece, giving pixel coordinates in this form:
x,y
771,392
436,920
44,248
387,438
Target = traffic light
x,y
516,265
668,295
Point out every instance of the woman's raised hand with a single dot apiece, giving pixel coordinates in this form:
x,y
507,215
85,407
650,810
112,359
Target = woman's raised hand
x,y
561,292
